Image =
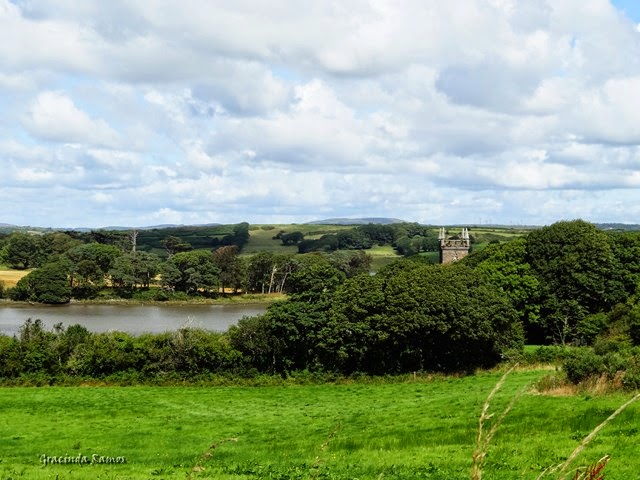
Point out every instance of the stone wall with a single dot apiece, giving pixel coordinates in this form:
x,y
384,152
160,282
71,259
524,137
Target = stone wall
x,y
453,249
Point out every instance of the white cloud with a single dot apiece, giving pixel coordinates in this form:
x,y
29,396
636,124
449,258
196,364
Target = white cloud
x,y
196,111
54,116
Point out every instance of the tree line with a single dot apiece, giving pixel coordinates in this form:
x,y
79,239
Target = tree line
x,y
406,238
66,267
568,283
393,322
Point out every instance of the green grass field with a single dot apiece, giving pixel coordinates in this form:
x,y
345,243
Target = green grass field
x,y
261,236
411,429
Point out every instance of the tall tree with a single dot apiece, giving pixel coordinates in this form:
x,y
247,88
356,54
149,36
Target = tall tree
x,y
505,267
191,272
175,245
134,269
232,270
47,284
91,263
578,274
23,251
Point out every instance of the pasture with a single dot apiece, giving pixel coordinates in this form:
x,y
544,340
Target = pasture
x,y
401,428
261,236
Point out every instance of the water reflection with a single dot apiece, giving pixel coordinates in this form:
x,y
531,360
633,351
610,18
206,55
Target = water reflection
x,y
132,319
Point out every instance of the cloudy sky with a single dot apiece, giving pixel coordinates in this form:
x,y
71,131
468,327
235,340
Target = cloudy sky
x,y
141,112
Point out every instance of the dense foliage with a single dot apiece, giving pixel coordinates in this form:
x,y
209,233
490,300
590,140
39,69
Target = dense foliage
x,y
564,279
408,317
74,351
568,283
407,238
121,264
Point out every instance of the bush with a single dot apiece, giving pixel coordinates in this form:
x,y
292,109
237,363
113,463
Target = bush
x,y
631,379
634,325
611,344
582,364
546,354
615,362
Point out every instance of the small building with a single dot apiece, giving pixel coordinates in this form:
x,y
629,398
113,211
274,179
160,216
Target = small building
x,y
453,248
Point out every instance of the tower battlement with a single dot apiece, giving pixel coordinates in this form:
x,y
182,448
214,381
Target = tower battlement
x,y
453,248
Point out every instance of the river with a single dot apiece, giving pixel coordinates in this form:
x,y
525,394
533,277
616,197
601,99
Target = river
x,y
135,319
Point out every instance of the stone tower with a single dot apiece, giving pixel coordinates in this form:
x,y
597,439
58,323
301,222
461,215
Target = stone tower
x,y
452,249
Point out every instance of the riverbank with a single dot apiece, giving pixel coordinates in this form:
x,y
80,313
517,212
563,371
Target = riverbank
x,y
241,299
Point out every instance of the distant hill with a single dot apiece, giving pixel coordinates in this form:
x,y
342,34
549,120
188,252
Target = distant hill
x,y
7,227
356,221
157,227
618,226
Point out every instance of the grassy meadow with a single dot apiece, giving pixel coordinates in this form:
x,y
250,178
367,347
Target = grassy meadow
x,y
403,428
261,236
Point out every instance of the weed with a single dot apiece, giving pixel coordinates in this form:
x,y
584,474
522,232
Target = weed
x,y
563,467
590,472
198,467
315,466
593,471
484,439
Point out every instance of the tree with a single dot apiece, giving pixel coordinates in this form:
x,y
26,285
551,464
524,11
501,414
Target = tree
x,y
91,263
57,243
175,245
191,272
353,239
578,274
351,263
626,249
48,284
292,238
267,272
314,280
446,318
239,237
134,269
410,316
231,268
23,251
377,233
505,267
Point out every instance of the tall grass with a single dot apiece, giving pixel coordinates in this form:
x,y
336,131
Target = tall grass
x,y
484,437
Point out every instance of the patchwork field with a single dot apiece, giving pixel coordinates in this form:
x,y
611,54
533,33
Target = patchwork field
x,y
261,236
11,277
411,429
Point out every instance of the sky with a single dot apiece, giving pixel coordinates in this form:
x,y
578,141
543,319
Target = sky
x,y
147,112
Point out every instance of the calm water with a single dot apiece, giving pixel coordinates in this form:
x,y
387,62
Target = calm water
x,y
131,319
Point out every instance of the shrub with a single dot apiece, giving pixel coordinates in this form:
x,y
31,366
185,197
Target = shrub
x,y
611,344
582,364
546,354
615,362
634,325
631,378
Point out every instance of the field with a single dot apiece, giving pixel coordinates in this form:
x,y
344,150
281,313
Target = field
x,y
261,236
407,428
10,277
